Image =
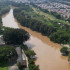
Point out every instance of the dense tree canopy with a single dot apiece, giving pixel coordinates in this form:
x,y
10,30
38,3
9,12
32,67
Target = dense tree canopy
x,y
15,36
58,32
64,50
6,52
34,24
60,37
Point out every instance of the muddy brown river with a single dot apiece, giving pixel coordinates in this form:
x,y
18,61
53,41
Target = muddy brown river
x,y
48,53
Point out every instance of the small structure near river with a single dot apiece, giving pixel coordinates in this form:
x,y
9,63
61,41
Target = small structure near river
x,y
21,57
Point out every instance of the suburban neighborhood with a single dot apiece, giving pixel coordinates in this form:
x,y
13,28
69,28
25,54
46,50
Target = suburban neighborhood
x,y
60,8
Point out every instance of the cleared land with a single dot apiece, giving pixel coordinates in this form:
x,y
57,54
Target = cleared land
x,y
47,16
43,14
3,68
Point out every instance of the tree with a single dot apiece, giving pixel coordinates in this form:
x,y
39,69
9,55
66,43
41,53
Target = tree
x,y
64,50
62,37
6,52
30,53
15,36
68,19
32,65
20,66
69,57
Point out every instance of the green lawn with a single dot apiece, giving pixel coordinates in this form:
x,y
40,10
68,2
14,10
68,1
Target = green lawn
x,y
48,16
37,11
3,68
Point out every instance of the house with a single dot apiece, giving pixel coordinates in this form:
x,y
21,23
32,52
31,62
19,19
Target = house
x,y
24,60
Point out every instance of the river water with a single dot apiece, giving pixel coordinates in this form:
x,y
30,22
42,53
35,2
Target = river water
x,y
48,53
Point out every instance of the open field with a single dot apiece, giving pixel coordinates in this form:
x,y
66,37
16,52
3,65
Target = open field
x,y
3,68
43,14
48,16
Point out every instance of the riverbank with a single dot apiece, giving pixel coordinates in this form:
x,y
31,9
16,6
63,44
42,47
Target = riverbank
x,y
44,39
39,47
57,31
48,53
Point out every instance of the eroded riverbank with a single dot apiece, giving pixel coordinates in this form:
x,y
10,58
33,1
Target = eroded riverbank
x,y
48,53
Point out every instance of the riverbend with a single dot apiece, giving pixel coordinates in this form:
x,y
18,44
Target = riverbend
x,y
48,53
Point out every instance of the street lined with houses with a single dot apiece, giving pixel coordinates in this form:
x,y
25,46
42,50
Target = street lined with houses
x,y
60,8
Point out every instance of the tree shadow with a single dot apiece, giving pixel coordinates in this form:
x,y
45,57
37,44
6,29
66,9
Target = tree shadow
x,y
64,54
4,64
12,63
7,64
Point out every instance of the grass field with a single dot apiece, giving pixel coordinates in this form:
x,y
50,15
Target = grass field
x,y
43,17
37,11
3,68
48,16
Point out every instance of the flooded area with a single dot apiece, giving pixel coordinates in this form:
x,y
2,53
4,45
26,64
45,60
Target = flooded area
x,y
48,53
9,21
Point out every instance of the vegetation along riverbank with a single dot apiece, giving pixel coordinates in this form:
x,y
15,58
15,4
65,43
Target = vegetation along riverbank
x,y
28,50
57,31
